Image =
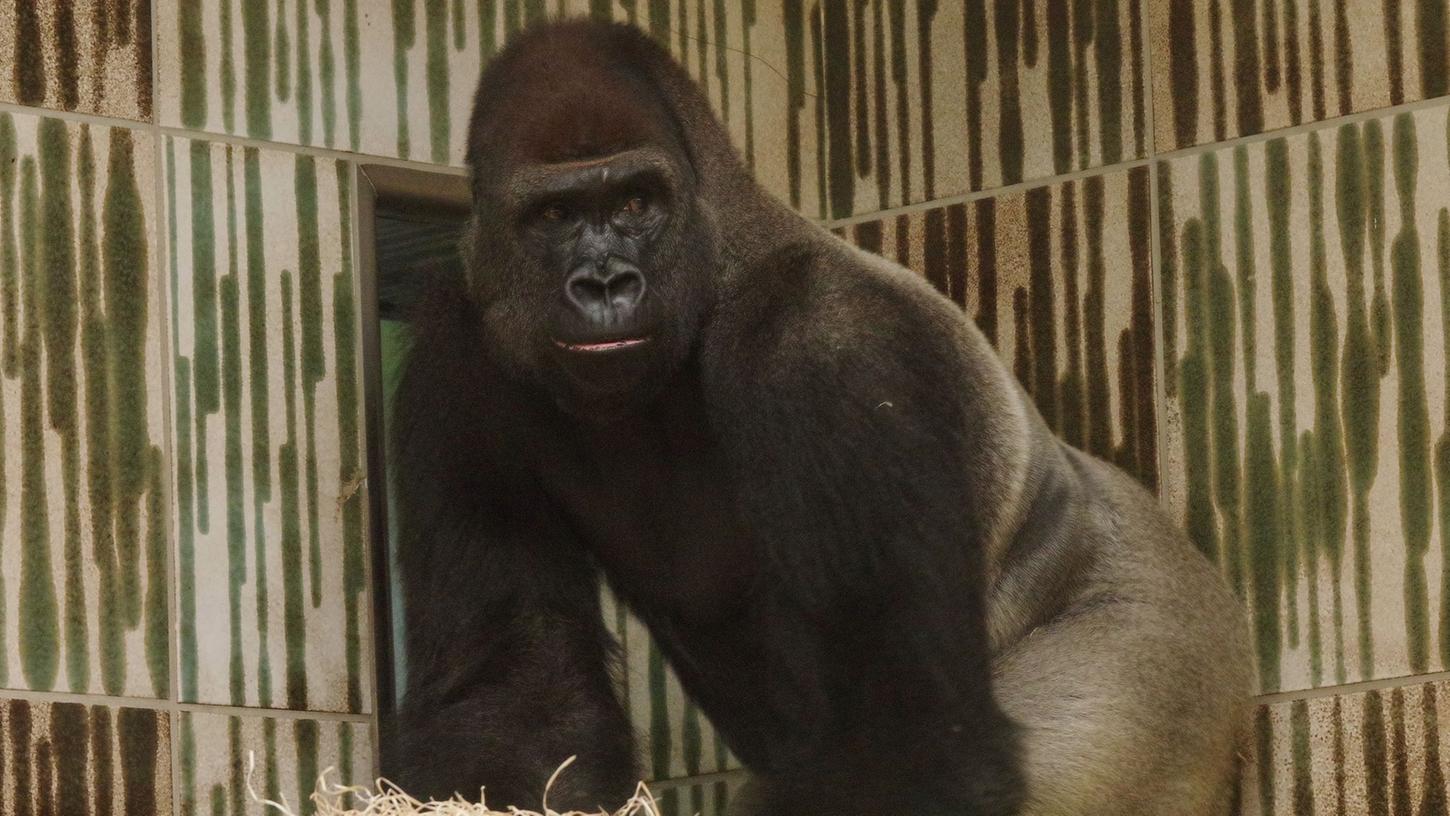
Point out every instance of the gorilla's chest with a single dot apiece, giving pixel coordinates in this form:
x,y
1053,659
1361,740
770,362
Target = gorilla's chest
x,y
655,504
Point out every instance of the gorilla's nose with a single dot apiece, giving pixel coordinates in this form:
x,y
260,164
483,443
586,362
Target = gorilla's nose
x,y
605,293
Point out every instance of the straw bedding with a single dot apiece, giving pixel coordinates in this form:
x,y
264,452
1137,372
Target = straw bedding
x,y
386,799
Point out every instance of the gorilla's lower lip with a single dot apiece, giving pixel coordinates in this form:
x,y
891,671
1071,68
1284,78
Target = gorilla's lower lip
x,y
606,345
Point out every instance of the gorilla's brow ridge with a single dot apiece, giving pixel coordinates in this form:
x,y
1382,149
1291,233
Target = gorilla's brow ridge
x,y
531,181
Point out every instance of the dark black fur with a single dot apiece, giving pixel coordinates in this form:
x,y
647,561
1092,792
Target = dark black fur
x,y
789,490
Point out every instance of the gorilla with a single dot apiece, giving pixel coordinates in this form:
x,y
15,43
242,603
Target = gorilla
x,y
870,563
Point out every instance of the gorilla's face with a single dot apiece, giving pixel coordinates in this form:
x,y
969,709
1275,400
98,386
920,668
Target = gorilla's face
x,y
596,274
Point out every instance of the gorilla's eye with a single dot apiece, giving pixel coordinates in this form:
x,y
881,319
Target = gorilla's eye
x,y
554,212
634,206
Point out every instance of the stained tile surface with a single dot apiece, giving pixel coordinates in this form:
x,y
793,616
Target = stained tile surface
x,y
269,472
79,760
1306,289
215,752
88,56
1380,751
83,562
928,100
398,79
1222,70
710,798
673,737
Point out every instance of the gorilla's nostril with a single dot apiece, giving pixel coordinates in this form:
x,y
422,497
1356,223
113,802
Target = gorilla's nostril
x,y
598,293
626,289
588,292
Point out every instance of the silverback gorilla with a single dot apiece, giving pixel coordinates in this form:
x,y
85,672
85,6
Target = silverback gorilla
x,y
872,566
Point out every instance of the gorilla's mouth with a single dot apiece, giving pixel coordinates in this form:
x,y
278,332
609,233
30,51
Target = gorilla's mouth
x,y
603,345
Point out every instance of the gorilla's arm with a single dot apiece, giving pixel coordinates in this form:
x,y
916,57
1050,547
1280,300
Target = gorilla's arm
x,y
509,664
857,461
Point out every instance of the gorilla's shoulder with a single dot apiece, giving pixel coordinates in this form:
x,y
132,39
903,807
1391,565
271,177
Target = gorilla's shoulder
x,y
826,304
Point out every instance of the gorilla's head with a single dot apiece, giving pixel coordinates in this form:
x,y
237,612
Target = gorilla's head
x,y
592,257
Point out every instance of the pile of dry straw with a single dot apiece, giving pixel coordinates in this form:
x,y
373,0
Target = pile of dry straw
x,y
387,800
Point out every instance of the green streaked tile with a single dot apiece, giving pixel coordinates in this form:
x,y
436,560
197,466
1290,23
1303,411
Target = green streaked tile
x,y
1343,350
288,756
82,410
294,72
272,602
707,798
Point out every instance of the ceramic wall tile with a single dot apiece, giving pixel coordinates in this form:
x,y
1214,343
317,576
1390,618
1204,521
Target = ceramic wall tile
x,y
1222,70
1306,286
88,56
84,760
397,79
219,756
705,798
1380,751
928,100
270,494
82,481
1059,278
673,737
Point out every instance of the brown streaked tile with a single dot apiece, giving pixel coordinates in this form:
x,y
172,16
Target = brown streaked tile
x,y
930,100
88,56
1222,70
84,760
1380,751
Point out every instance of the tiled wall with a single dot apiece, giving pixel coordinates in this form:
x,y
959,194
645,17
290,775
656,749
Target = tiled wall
x,y
1251,319
294,71
935,99
1226,267
183,569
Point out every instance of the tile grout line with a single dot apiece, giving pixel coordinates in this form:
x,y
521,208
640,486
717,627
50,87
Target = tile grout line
x,y
169,705
978,195
367,621
1155,258
163,273
229,139
1151,156
678,782
1346,689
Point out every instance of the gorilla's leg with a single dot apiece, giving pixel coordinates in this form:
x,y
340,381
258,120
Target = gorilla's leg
x,y
1114,721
